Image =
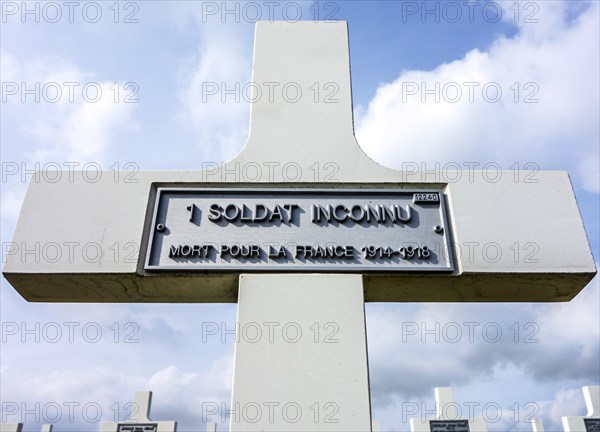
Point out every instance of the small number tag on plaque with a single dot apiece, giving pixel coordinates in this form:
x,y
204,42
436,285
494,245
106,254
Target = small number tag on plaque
x,y
424,198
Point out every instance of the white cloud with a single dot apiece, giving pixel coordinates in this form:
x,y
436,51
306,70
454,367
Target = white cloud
x,y
221,65
575,322
554,61
511,354
8,66
70,116
104,394
567,402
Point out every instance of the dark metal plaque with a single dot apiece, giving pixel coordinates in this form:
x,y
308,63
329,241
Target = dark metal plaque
x,y
449,425
137,427
592,424
334,230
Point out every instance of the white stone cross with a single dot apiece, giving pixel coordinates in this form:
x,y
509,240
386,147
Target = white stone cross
x,y
446,410
11,427
309,369
537,425
591,422
139,421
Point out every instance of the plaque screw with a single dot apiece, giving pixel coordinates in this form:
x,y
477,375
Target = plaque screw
x,y
160,227
438,229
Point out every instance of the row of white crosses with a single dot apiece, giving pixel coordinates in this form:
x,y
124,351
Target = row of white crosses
x,y
139,421
18,427
445,420
446,417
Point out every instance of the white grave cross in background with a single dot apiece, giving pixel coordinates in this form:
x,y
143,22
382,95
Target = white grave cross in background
x,y
139,421
206,236
537,425
591,422
447,416
11,427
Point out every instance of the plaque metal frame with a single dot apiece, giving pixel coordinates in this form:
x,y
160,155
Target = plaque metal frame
x,y
462,424
150,231
154,426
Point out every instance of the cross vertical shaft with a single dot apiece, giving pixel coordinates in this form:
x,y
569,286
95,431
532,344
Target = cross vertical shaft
x,y
308,371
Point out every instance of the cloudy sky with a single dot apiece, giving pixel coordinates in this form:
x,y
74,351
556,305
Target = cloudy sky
x,y
114,83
